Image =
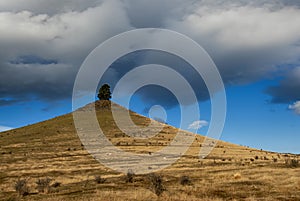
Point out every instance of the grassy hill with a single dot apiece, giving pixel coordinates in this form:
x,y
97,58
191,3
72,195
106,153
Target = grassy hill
x,y
52,150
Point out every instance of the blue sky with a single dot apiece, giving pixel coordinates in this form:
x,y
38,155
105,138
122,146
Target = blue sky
x,y
251,119
255,47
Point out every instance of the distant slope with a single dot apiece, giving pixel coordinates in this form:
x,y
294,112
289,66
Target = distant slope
x,y
52,149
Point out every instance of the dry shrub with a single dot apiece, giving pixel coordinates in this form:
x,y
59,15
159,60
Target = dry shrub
x,y
130,176
156,183
21,187
185,180
56,184
99,180
292,163
43,185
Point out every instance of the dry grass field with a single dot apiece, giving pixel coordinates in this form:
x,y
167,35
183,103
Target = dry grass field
x,y
52,150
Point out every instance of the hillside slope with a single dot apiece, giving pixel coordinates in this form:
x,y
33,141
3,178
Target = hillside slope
x,y
53,149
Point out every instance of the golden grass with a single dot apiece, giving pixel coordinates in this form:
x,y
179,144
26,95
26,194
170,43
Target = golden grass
x,y
52,149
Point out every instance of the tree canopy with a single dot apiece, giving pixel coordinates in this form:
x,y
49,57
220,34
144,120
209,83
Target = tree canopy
x,y
104,92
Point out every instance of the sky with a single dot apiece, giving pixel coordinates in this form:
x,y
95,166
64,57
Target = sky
x,y
255,46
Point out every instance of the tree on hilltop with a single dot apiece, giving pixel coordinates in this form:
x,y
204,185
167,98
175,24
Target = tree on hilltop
x,y
104,92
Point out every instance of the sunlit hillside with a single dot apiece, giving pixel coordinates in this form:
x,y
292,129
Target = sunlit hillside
x,y
52,149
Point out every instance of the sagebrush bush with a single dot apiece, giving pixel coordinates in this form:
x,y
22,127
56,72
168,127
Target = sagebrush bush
x,y
56,184
130,176
185,180
156,183
43,185
99,180
292,163
21,187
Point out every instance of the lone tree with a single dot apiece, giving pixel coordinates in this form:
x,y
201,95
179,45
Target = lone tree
x,y
104,92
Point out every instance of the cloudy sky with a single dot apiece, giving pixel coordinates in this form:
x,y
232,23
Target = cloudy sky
x,y
256,47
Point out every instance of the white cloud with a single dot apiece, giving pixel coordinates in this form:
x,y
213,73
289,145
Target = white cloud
x,y
246,42
198,124
48,7
295,107
66,38
5,128
246,26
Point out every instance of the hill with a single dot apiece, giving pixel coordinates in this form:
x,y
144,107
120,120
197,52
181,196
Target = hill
x,y
52,149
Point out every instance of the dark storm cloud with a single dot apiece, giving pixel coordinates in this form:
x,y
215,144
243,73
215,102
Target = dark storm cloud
x,y
31,59
288,90
156,13
41,54
153,95
25,82
43,43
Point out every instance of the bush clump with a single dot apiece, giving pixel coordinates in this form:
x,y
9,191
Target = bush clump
x,y
21,187
99,180
56,184
185,180
43,185
130,176
292,163
156,183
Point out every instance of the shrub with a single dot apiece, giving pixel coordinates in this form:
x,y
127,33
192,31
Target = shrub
x,y
130,176
43,185
185,180
99,180
56,184
156,183
21,187
292,163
